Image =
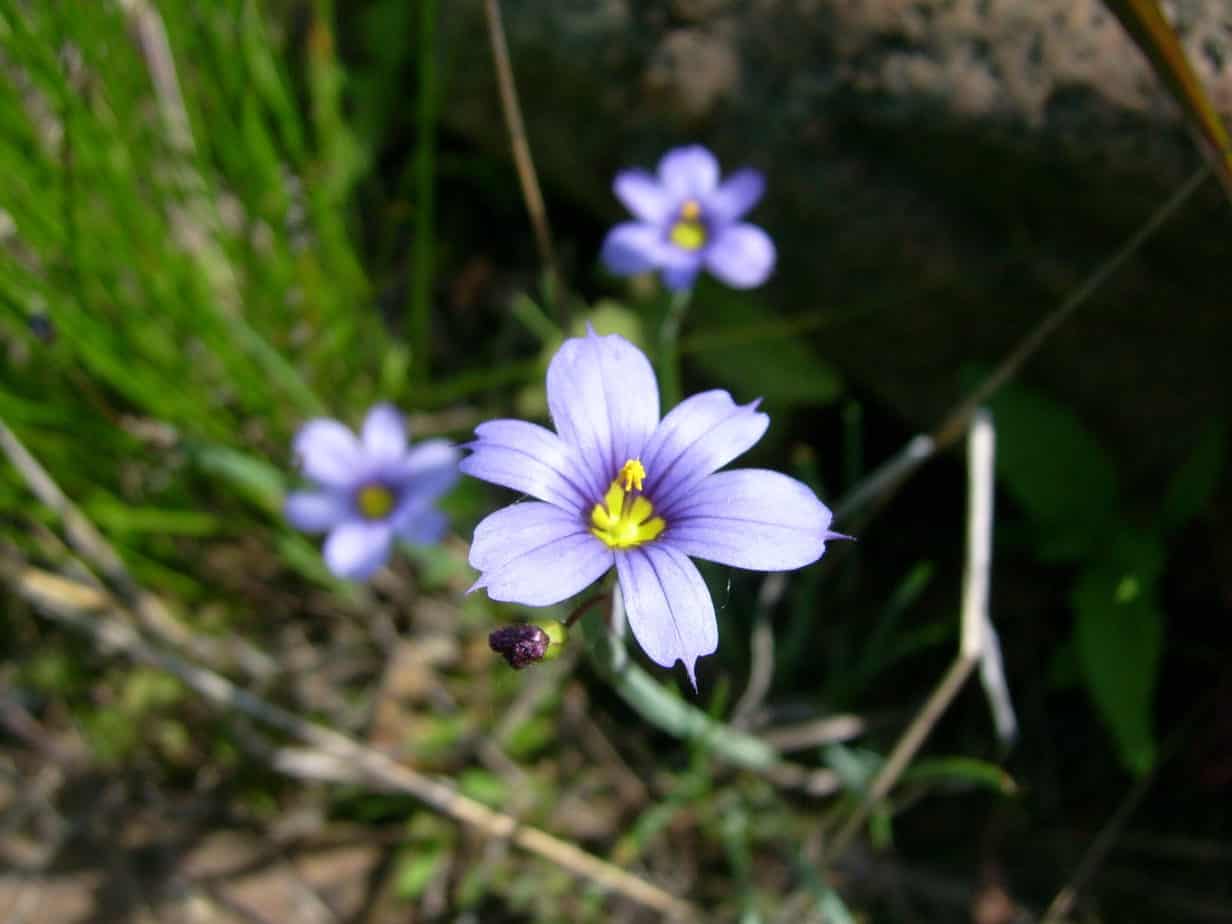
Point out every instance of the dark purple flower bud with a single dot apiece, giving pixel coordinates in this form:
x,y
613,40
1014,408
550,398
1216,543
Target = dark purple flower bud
x,y
520,645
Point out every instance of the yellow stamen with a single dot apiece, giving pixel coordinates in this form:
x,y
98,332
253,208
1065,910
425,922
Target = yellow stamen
x,y
689,232
632,473
626,519
374,501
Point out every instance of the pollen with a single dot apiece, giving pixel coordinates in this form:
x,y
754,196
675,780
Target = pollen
x,y
632,474
625,519
374,501
689,231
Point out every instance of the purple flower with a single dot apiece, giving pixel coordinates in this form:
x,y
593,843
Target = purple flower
x,y
687,220
617,486
370,490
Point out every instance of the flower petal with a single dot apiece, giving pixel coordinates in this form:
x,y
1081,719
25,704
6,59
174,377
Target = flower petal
x,y
428,527
632,247
742,256
699,436
750,518
328,452
678,278
536,554
605,402
530,459
384,433
642,195
668,605
317,511
430,468
689,173
735,196
355,549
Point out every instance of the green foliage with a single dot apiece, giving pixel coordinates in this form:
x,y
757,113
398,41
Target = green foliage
x,y
1119,633
1060,475
1067,485
746,349
1195,481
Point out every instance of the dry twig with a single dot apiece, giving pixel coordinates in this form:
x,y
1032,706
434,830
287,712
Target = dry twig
x,y
522,159
95,612
977,639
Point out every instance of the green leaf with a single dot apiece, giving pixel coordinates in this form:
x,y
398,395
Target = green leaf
x,y
1119,637
782,369
964,770
484,786
1056,470
250,476
417,867
1195,481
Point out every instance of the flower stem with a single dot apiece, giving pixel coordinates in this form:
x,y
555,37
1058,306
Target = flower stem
x,y
425,194
669,348
585,608
663,708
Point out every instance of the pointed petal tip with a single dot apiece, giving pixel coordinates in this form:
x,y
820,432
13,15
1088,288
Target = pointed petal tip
x,y
690,668
833,535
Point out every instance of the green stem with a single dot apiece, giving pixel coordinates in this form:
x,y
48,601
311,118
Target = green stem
x,y
425,192
669,348
663,708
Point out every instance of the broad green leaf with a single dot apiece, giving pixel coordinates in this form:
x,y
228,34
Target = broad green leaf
x,y
785,369
1119,636
1144,21
1056,470
1195,481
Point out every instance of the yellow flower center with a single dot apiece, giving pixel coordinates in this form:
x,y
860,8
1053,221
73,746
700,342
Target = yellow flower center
x,y
374,501
626,517
689,233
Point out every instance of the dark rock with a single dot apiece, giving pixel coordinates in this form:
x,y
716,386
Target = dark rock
x,y
941,175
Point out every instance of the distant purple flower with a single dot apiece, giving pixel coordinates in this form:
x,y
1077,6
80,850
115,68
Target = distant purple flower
x,y
370,490
615,485
688,221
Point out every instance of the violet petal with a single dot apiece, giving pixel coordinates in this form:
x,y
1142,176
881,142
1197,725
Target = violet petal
x,y
679,278
742,256
536,554
530,459
316,511
632,247
384,433
689,172
668,605
642,195
425,528
604,400
735,195
699,436
328,452
355,549
430,466
750,518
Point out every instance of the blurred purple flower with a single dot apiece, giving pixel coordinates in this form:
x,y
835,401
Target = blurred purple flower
x,y
688,221
617,486
370,490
